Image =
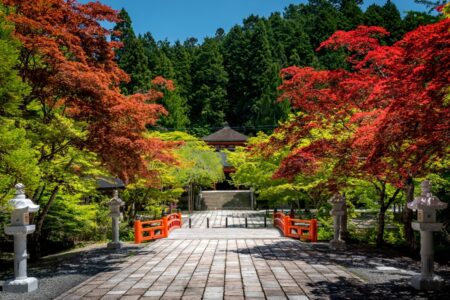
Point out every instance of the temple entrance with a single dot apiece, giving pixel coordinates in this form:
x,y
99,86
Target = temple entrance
x,y
225,199
228,219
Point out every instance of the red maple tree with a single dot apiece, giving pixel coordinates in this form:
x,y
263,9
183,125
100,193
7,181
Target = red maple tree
x,y
68,60
389,108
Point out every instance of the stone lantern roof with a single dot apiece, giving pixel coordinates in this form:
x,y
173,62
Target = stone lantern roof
x,y
20,201
426,200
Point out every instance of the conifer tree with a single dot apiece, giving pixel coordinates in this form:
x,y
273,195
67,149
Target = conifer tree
x,y
392,21
182,60
151,51
352,14
263,80
414,19
235,53
209,94
176,105
131,57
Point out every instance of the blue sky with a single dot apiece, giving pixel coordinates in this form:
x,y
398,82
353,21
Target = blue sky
x,y
180,19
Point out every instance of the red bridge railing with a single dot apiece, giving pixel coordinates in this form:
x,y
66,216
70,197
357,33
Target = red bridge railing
x,y
296,228
156,229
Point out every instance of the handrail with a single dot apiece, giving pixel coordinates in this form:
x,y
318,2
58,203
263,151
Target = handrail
x,y
296,228
173,222
156,229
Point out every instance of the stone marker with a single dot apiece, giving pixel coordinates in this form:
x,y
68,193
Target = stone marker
x,y
114,206
19,228
337,212
426,205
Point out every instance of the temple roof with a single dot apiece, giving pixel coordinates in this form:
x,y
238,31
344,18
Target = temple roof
x,y
108,183
225,134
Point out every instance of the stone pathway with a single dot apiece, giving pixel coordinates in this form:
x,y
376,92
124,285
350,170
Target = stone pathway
x,y
249,263
216,269
218,219
224,233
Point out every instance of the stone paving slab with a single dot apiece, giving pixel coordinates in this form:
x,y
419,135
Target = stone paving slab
x,y
224,233
273,268
219,218
245,263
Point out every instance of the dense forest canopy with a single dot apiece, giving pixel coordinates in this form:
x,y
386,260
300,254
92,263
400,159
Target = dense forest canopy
x,y
234,75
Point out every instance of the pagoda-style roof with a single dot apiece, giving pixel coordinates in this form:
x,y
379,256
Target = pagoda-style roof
x,y
225,134
108,183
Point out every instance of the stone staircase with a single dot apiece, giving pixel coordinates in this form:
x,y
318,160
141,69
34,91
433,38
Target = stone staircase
x,y
213,200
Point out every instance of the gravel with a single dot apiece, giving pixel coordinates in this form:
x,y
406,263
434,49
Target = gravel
x,y
386,274
59,273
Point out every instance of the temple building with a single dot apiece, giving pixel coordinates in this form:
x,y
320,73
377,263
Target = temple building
x,y
226,138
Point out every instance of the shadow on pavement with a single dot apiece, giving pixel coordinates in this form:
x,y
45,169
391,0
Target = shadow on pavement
x,y
379,284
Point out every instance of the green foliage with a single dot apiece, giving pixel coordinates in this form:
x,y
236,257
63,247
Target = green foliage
x,y
176,105
132,58
256,170
325,229
71,219
198,164
209,79
233,76
12,89
18,161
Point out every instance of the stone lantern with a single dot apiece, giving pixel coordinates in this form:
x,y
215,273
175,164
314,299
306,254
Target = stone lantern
x,y
337,212
114,206
20,227
426,205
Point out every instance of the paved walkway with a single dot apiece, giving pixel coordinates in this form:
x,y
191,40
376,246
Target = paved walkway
x,y
216,269
220,218
218,263
249,263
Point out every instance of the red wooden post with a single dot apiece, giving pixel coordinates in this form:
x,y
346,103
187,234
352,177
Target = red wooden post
x,y
313,230
165,226
181,220
287,224
137,232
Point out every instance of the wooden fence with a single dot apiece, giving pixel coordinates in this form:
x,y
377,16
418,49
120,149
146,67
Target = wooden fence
x,y
296,228
156,229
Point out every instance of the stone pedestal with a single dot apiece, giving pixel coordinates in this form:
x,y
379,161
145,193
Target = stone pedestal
x,y
426,280
20,228
115,215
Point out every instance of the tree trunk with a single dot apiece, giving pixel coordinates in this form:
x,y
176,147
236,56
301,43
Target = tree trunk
x,y
36,254
380,228
408,215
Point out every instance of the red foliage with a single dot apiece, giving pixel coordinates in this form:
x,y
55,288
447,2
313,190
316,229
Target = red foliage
x,y
69,62
359,41
391,106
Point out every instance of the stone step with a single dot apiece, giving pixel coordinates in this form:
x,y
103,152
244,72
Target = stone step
x,y
212,200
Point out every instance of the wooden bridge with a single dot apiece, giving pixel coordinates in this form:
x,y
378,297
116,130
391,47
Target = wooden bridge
x,y
258,221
